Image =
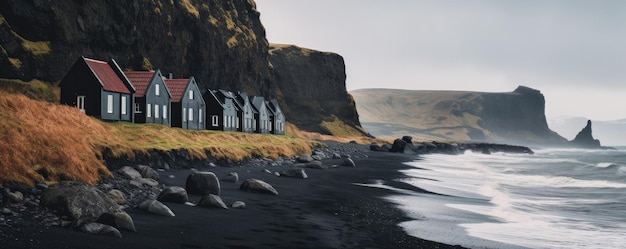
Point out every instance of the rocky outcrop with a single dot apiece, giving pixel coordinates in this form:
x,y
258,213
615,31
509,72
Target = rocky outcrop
x,y
202,183
256,185
77,200
584,139
311,88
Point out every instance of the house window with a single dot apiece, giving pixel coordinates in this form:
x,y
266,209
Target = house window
x,y
149,110
123,105
137,108
214,120
80,103
237,122
200,115
190,114
110,103
184,114
156,90
156,111
190,94
164,111
225,121
270,128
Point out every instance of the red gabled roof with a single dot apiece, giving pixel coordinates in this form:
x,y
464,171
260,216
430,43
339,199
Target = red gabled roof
x,y
177,88
140,80
109,80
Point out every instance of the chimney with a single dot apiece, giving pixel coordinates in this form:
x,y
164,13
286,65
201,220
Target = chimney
x,y
171,76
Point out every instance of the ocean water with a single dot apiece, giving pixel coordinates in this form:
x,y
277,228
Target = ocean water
x,y
556,198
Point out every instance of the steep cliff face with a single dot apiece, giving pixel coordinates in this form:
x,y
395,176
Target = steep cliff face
x,y
513,117
220,42
312,86
584,138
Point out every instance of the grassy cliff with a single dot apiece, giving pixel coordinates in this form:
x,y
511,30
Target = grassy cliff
x,y
47,142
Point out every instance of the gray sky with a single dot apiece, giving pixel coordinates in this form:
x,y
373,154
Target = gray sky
x,y
573,51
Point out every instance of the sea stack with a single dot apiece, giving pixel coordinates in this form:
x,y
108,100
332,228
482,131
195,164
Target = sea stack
x,y
584,139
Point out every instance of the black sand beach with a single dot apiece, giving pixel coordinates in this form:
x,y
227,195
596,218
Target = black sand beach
x,y
324,211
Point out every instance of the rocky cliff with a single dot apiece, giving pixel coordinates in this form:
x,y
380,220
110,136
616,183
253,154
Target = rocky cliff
x,y
584,138
513,117
221,43
312,85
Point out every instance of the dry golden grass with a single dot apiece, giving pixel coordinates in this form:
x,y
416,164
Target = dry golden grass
x,y
46,142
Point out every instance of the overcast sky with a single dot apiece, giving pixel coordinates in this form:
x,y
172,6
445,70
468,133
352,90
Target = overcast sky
x,y
572,51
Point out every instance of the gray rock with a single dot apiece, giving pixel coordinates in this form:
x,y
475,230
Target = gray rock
x,y
15,197
78,201
156,207
304,159
100,229
318,157
315,165
336,156
117,196
147,172
211,200
238,204
5,211
120,220
348,162
294,172
202,183
41,186
140,182
173,194
231,177
129,173
256,185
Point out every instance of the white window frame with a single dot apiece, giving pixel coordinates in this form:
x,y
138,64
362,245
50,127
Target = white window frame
x,y
190,114
156,111
215,120
237,122
190,94
80,103
157,89
124,105
184,114
137,108
164,111
200,115
149,110
110,103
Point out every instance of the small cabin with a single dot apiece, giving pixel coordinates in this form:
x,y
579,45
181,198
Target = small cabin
x,y
261,115
152,97
245,114
221,110
277,122
98,89
188,106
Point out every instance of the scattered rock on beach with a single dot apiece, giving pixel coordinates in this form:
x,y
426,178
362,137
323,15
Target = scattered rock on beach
x,y
78,200
231,177
147,172
173,194
256,185
202,183
238,204
119,220
117,196
129,172
15,197
211,200
140,182
310,165
294,172
156,207
304,159
349,162
100,229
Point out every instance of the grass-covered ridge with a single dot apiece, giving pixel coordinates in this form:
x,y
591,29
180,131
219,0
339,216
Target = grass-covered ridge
x,y
47,142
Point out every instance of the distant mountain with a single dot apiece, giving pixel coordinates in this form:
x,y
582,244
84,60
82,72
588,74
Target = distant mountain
x,y
611,133
514,117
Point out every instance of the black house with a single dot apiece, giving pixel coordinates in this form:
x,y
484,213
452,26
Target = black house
x,y
98,89
261,115
188,106
221,110
152,98
277,122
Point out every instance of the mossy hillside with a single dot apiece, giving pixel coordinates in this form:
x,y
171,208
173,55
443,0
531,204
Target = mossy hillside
x,y
47,142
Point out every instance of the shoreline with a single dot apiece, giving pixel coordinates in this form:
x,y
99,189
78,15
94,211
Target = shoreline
x,y
327,210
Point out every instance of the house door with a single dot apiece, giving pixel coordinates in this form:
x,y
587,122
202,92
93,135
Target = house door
x,y
80,103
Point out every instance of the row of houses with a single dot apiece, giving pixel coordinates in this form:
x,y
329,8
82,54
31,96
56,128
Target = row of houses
x,y
103,90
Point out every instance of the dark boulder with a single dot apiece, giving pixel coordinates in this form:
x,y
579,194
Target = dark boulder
x,y
256,185
173,194
119,220
202,183
398,146
212,201
407,139
294,172
77,200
